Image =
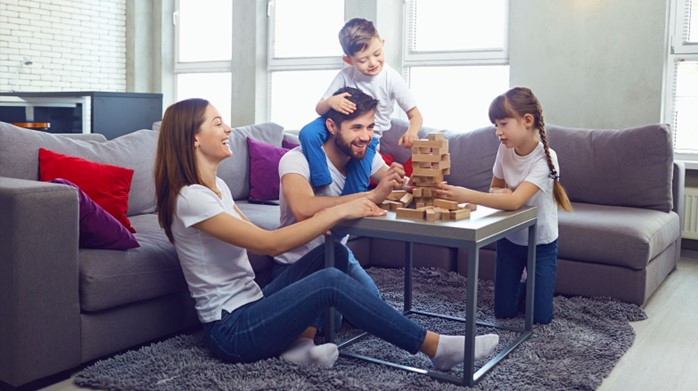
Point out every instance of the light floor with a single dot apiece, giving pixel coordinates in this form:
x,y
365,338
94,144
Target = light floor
x,y
665,353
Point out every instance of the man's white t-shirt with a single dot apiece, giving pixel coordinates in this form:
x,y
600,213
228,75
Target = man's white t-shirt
x,y
294,162
387,87
219,275
533,168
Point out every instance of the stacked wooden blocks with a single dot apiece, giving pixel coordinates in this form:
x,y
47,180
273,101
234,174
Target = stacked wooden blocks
x,y
431,162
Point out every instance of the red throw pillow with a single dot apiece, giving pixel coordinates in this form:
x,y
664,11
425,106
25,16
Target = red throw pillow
x,y
106,185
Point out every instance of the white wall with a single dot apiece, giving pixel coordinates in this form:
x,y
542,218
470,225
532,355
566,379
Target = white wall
x,y
72,44
592,63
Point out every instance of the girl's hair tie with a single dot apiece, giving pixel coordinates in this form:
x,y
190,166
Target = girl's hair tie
x,y
554,176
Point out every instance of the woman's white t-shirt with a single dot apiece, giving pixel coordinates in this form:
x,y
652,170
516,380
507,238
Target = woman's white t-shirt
x,y
532,168
219,274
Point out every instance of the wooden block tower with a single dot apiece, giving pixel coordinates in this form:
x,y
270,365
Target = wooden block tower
x,y
431,162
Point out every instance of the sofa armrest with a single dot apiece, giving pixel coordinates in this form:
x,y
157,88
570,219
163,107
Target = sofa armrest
x,y
39,298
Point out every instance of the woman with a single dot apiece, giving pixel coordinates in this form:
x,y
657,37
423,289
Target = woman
x,y
243,323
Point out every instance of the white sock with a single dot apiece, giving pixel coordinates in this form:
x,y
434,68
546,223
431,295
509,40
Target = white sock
x,y
450,351
304,351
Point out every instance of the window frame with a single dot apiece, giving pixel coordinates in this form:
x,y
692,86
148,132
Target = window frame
x,y
217,66
679,50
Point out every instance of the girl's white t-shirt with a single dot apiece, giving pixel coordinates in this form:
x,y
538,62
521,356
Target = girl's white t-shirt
x,y
219,274
532,168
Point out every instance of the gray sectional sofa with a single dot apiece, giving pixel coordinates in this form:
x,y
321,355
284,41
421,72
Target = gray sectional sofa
x,y
62,306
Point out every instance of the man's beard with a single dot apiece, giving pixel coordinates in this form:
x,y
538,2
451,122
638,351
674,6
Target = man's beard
x,y
347,149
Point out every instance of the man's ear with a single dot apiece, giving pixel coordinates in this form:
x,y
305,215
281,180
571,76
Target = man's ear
x,y
331,126
347,59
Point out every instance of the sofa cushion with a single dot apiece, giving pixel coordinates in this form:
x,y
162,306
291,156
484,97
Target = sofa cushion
x,y
107,185
613,235
264,170
263,215
235,171
19,150
98,228
624,167
111,278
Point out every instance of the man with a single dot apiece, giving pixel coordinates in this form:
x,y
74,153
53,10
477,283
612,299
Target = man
x,y
349,137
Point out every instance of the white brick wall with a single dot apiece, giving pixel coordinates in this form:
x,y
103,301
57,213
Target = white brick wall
x,y
74,45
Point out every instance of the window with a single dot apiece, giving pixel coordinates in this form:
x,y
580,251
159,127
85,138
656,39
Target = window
x,y
683,78
460,46
304,56
203,52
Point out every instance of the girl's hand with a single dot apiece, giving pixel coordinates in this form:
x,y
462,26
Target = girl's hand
x,y
451,193
361,207
500,190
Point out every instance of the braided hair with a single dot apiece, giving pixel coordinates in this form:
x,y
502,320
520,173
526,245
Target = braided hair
x,y
516,103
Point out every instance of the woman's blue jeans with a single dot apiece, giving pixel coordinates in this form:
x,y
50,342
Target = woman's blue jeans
x,y
510,292
294,300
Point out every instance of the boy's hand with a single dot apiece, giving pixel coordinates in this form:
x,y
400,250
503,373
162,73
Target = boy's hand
x,y
341,104
407,139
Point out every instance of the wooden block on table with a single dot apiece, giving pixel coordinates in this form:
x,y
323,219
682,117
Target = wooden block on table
x,y
406,199
430,215
417,192
450,205
420,205
384,205
392,205
460,214
469,206
395,195
435,136
406,213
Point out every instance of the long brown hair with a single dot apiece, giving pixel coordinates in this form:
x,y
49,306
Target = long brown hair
x,y
516,103
175,163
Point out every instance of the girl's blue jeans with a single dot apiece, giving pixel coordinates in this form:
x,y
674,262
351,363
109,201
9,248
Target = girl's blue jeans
x,y
510,292
293,301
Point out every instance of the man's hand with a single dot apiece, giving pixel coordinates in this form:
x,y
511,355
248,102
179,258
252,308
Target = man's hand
x,y
390,181
341,104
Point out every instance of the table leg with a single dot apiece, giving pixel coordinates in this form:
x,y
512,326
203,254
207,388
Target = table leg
x,y
530,277
409,247
470,315
329,314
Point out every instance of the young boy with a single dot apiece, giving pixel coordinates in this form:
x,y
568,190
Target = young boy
x,y
363,49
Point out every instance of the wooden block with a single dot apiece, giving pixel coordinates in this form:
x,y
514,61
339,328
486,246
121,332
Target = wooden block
x,y
426,158
450,205
395,195
430,215
385,205
406,199
417,192
431,144
427,192
460,214
435,136
420,205
392,205
406,213
470,207
442,210
427,172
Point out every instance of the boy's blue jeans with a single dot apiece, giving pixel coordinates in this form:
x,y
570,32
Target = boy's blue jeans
x,y
293,301
510,293
312,136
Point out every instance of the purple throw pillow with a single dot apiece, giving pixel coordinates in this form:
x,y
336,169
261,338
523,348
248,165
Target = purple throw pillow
x,y
288,144
264,170
98,228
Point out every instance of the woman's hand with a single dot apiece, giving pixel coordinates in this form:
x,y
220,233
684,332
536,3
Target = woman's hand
x,y
451,193
358,208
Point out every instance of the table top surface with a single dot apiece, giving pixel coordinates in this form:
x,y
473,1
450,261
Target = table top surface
x,y
483,223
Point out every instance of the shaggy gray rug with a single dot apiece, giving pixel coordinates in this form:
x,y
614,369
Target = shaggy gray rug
x,y
574,352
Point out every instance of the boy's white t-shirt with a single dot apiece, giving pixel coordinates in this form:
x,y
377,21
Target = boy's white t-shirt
x,y
219,274
387,87
532,168
295,162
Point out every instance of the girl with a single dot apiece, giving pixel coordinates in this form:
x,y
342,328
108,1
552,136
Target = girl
x,y
526,172
241,321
